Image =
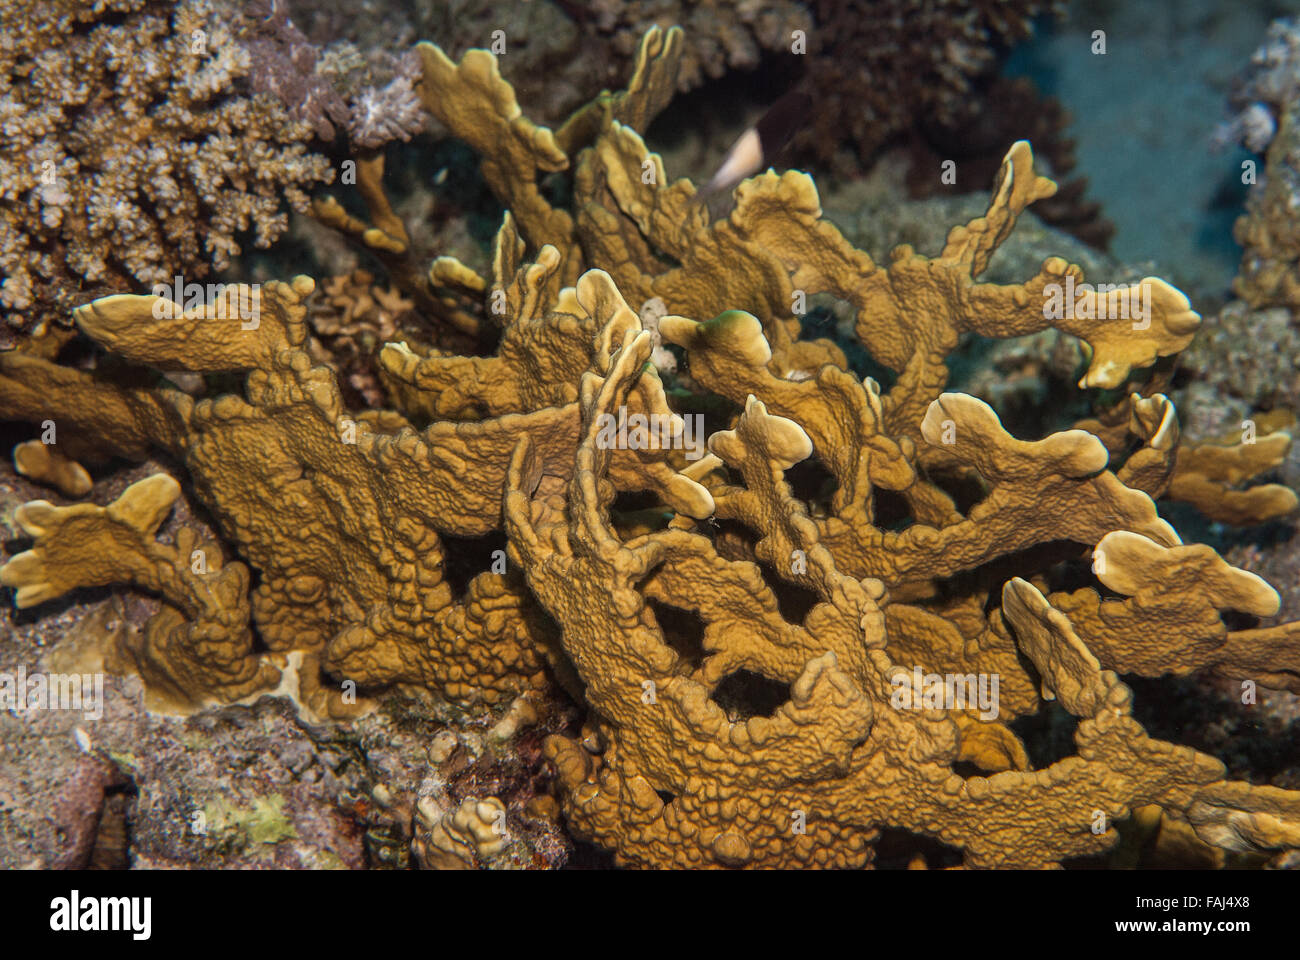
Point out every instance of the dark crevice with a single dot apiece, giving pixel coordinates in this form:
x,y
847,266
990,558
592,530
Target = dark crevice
x,y
639,510
821,322
792,600
734,540
1048,735
811,482
967,490
111,849
683,630
1064,563
892,511
898,848
464,558
746,694
257,644
634,501
1236,620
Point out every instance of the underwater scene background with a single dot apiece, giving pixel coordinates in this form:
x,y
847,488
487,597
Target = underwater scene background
x,y
653,434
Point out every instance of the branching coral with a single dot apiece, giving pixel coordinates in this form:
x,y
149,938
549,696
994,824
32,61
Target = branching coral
x,y
798,723
341,517
329,89
323,506
202,639
129,153
680,783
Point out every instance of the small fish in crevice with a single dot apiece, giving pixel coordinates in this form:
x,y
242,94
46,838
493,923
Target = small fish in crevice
x,y
756,147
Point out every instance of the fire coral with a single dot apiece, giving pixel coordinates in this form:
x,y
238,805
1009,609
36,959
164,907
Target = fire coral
x,y
1055,576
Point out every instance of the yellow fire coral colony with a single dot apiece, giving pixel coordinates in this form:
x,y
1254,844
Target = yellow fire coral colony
x,y
930,556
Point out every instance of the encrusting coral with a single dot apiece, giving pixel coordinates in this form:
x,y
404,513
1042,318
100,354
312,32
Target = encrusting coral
x,y
795,724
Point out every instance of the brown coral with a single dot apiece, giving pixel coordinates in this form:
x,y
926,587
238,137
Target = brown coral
x,y
351,569
793,728
675,781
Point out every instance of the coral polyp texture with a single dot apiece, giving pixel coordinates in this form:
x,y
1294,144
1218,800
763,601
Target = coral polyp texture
x,y
131,151
1268,124
820,626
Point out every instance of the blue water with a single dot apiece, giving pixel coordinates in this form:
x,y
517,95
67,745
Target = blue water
x,y
1145,113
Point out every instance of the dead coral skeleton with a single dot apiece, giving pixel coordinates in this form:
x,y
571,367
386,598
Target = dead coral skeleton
x,y
345,517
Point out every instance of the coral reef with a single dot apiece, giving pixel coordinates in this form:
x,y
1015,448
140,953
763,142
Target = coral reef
x,y
1269,123
288,473
1010,109
717,36
255,786
130,151
917,71
751,629
884,67
371,97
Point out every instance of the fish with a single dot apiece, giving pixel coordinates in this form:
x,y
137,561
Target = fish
x,y
756,147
